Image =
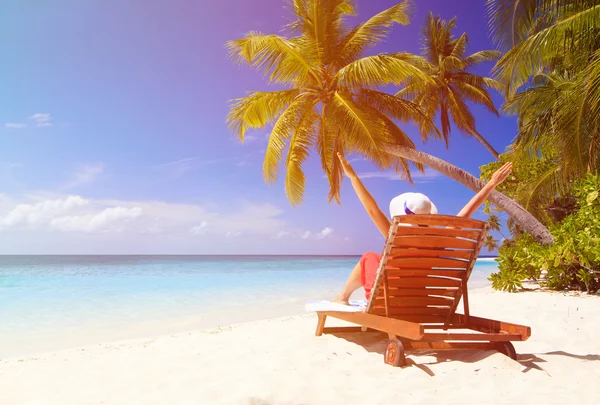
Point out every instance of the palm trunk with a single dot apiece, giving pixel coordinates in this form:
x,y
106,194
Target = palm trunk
x,y
485,143
512,208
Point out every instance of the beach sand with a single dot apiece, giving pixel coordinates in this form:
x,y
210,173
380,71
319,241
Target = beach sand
x,y
280,362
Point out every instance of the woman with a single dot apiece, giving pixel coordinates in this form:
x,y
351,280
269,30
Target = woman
x,y
363,274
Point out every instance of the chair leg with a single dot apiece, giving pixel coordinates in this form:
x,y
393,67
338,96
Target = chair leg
x,y
320,324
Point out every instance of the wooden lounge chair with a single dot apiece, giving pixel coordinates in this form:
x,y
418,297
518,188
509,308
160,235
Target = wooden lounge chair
x,y
421,279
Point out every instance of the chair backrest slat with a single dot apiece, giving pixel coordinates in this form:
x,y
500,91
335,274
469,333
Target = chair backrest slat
x,y
425,265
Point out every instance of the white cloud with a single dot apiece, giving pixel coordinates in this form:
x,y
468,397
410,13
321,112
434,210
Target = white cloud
x,y
417,176
10,166
109,219
45,223
356,159
178,168
281,234
306,235
40,213
325,232
42,119
346,238
15,125
85,174
175,218
379,175
199,229
152,230
67,214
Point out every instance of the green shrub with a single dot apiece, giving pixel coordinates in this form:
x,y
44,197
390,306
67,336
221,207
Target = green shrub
x,y
572,262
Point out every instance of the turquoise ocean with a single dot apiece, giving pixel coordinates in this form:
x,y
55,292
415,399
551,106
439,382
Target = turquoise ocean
x,y
57,298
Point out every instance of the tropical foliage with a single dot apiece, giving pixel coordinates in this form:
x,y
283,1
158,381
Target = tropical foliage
x,y
451,84
573,261
528,184
550,73
330,100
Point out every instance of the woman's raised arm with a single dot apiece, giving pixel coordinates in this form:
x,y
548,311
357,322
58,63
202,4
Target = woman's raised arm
x,y
377,216
498,177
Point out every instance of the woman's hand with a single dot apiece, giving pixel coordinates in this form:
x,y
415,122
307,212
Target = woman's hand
x,y
346,167
498,177
501,174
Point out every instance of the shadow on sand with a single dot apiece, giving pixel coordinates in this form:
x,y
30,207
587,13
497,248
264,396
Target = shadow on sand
x,y
375,342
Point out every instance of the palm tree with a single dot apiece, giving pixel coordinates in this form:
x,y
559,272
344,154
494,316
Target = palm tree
x,y
490,243
541,34
329,101
551,76
451,84
556,120
494,223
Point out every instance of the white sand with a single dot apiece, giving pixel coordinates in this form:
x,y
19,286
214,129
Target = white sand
x,y
281,362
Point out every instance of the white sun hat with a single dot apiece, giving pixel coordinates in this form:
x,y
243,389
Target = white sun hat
x,y
410,204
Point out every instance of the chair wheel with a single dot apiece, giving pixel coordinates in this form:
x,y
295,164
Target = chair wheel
x,y
507,349
394,353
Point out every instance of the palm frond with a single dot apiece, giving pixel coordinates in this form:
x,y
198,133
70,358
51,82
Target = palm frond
x,y
532,101
510,20
543,180
527,57
381,70
570,121
461,116
555,117
283,60
364,132
258,109
459,47
337,172
477,95
592,101
302,138
300,11
399,109
326,142
431,40
451,63
399,137
445,120
371,32
284,128
415,87
592,87
481,57
320,23
348,7
477,81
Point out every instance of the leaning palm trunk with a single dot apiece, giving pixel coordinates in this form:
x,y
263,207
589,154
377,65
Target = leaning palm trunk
x,y
486,144
520,215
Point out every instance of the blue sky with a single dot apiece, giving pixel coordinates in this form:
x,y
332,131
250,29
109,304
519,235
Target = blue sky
x,y
114,137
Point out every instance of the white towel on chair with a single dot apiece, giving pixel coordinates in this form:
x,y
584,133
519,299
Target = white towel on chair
x,y
355,306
